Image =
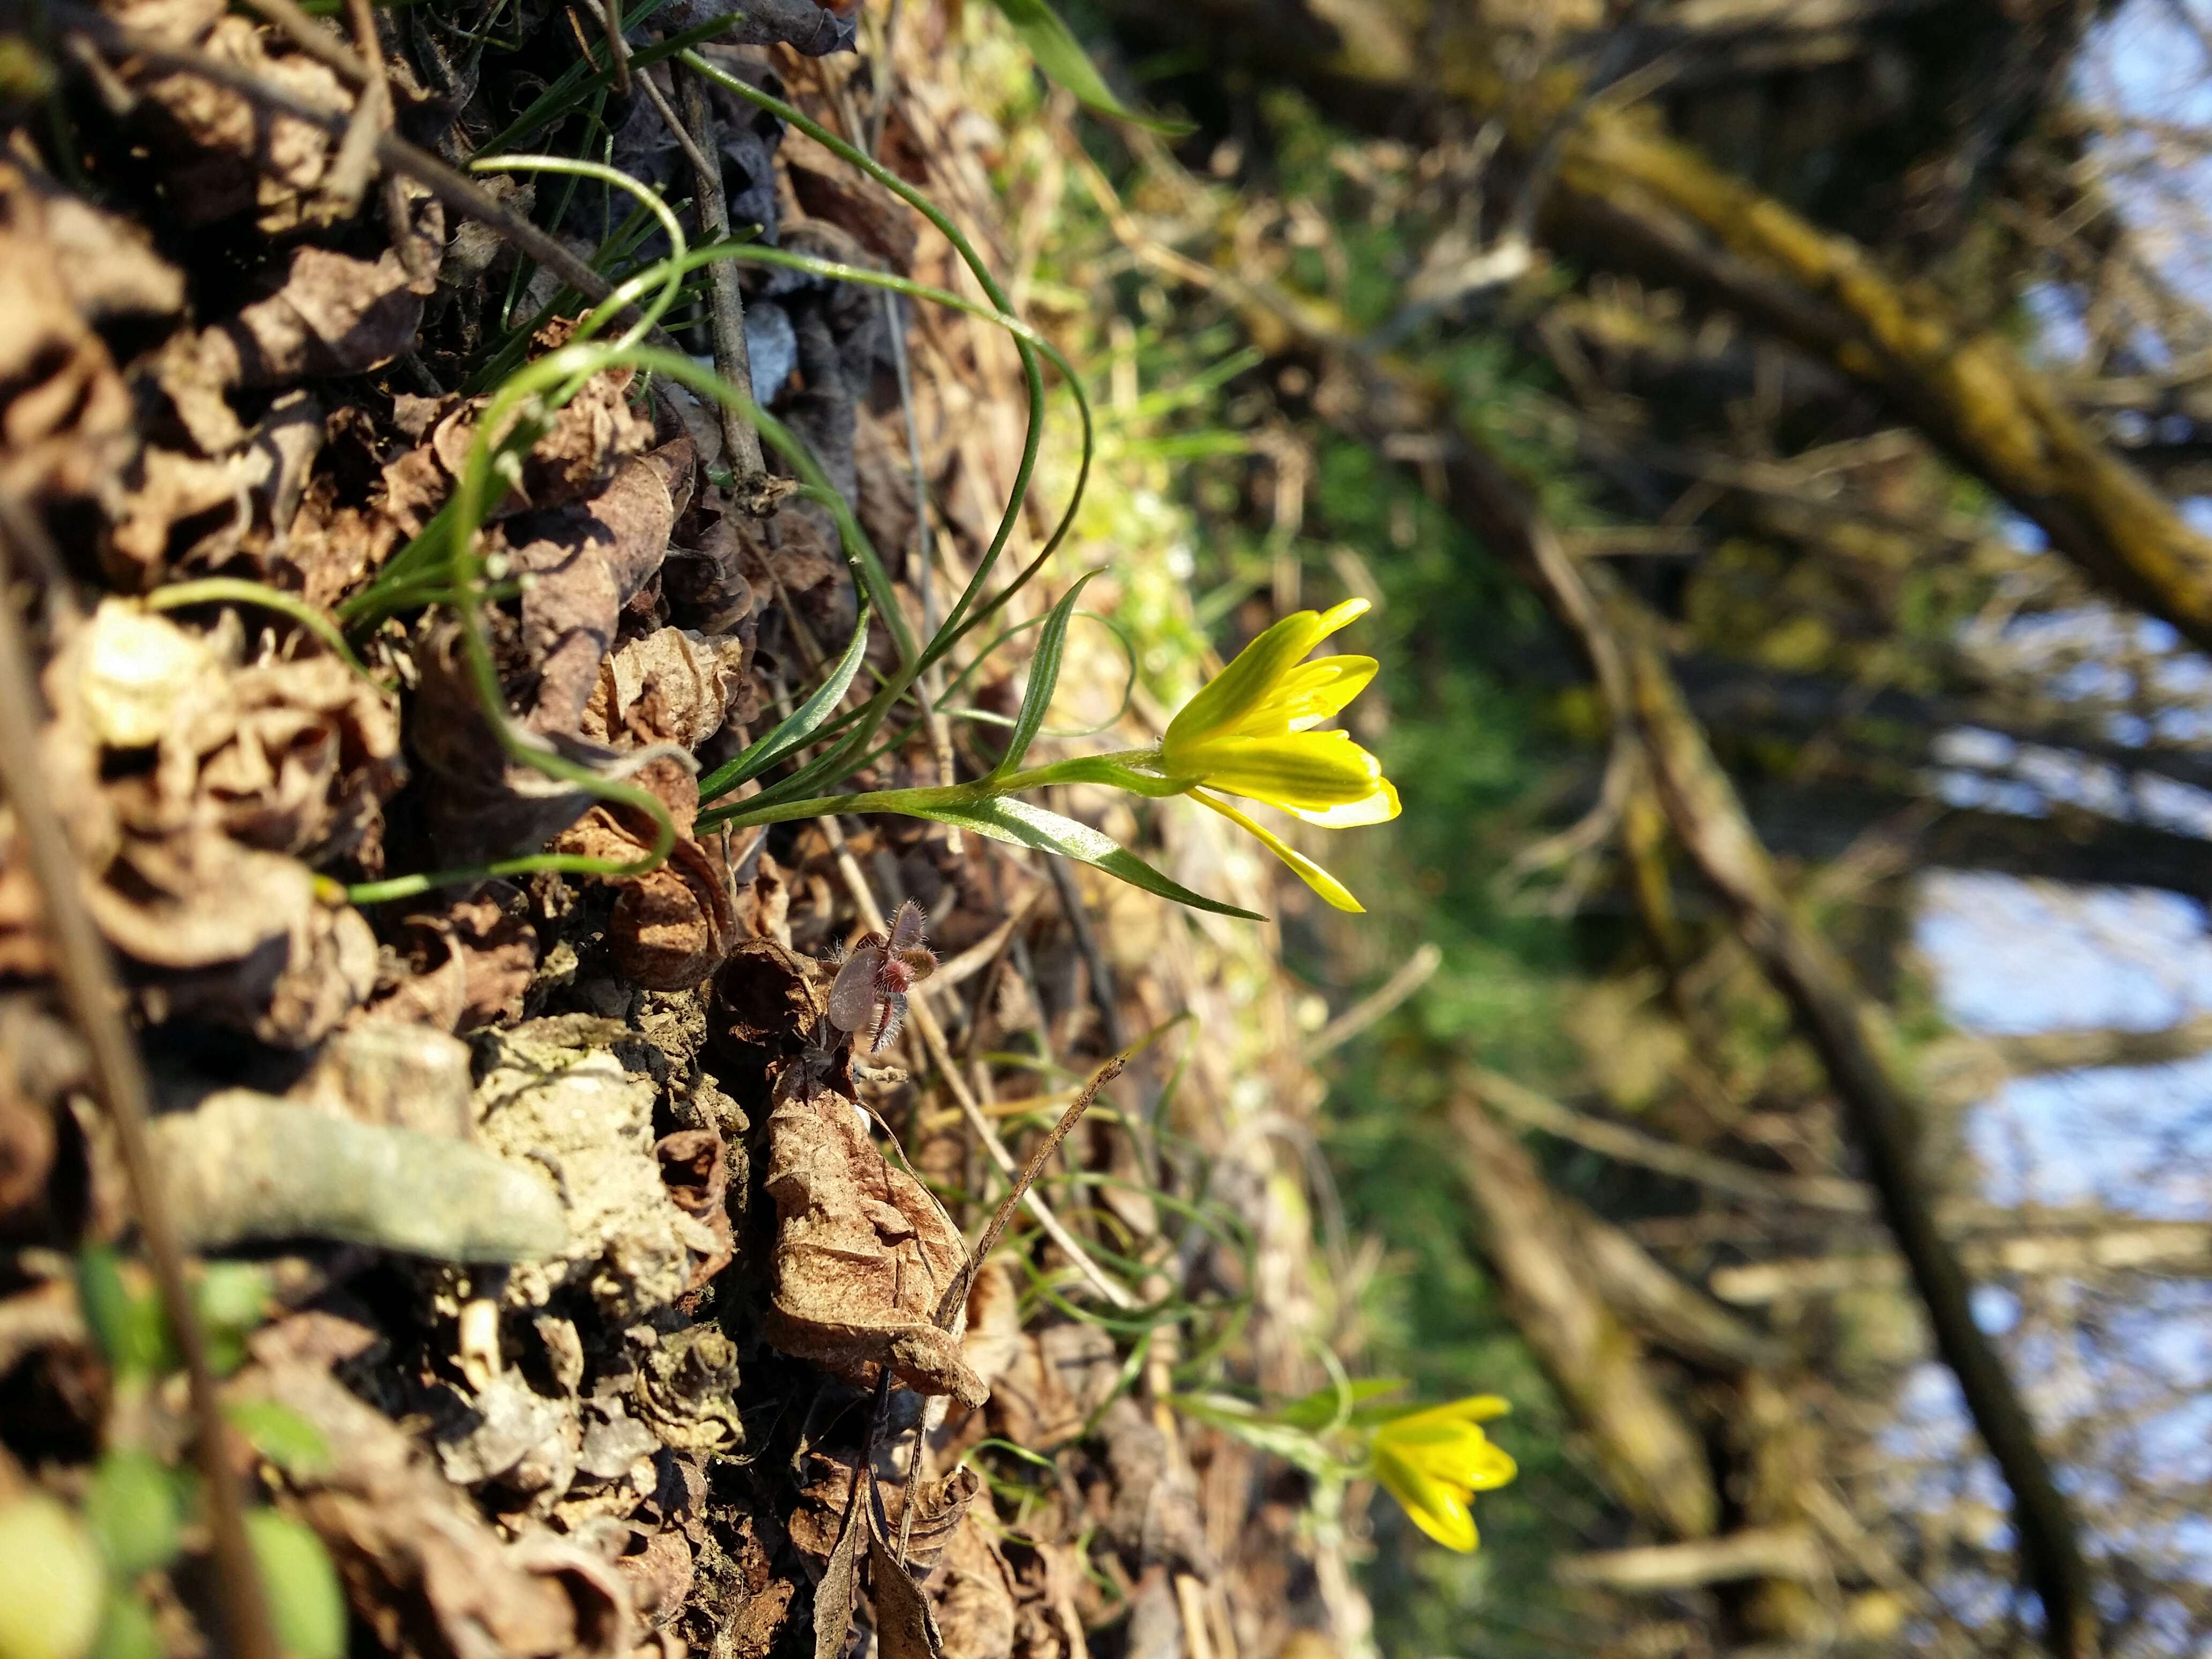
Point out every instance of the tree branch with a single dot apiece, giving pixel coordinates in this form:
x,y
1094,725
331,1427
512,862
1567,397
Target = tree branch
x,y
1652,1459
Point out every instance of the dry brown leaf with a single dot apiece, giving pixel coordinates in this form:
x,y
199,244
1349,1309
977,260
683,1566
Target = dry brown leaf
x,y
670,686
482,804
421,1571
1046,1577
330,313
695,1165
1155,1515
906,1624
583,562
827,191
312,759
465,966
1057,1378
976,1596
251,939
706,584
65,416
862,1252
221,154
672,926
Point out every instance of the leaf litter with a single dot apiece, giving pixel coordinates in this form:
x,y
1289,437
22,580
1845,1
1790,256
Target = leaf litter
x,y
599,1270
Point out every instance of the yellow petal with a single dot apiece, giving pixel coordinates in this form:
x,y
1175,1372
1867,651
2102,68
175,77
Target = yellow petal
x,y
1316,691
1313,769
1494,1468
1474,1408
1232,695
1307,871
1378,808
1347,611
1437,1511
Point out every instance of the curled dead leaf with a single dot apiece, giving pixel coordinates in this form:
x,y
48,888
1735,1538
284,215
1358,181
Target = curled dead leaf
x,y
582,564
670,686
464,966
422,1569
220,154
695,1165
65,415
975,1595
330,313
862,1252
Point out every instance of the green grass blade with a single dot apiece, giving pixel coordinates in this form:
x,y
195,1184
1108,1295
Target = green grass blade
x,y
1064,62
1044,677
797,726
1021,825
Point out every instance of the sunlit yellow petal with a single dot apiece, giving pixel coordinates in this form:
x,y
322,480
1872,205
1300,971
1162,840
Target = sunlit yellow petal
x,y
1312,692
1307,871
1437,1511
1312,769
1348,610
1378,808
1232,695
1493,1468
1474,1408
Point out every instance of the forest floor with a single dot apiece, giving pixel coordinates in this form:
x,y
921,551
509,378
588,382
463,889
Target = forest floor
x,y
559,1266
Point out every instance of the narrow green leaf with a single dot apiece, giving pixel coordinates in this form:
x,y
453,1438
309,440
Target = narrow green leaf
x,y
795,728
1044,677
1024,825
133,1510
1064,62
306,1604
280,1434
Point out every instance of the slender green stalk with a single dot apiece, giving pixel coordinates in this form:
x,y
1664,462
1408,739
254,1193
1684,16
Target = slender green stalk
x,y
231,590
957,621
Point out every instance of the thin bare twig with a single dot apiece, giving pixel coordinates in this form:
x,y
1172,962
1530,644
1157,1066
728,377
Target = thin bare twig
x,y
957,1293
617,47
1627,1146
309,34
733,360
355,164
1412,974
86,974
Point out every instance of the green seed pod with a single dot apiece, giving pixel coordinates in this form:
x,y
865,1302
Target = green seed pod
x,y
53,1584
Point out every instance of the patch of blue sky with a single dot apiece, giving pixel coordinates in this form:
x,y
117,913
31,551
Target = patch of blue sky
x,y
2012,956
2133,1140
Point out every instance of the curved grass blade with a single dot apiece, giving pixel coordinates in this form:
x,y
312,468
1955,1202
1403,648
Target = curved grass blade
x,y
1024,825
1065,63
797,725
1044,677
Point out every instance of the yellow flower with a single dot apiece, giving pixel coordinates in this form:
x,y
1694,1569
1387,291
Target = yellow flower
x,y
1248,732
1435,1461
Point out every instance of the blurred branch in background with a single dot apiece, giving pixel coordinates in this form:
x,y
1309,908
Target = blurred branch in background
x,y
1713,350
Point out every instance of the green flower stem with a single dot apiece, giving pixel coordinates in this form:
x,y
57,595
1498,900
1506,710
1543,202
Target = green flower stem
x,y
230,590
1125,769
